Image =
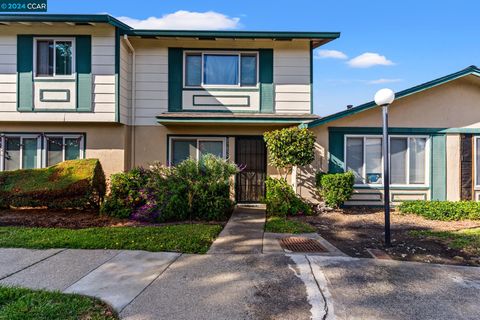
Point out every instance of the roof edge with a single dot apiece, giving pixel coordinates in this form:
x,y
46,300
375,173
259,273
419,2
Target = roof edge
x,y
401,94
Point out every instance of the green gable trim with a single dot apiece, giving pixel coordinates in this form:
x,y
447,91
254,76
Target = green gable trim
x,y
25,73
438,169
175,79
471,70
74,18
267,94
83,55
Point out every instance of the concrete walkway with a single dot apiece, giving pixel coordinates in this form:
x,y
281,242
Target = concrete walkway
x,y
243,233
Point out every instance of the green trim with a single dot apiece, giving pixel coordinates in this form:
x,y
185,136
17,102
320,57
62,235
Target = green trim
x,y
24,73
74,18
335,152
175,79
462,130
42,92
438,166
54,80
284,35
311,77
378,130
424,195
117,74
267,94
83,56
222,89
226,120
220,105
472,70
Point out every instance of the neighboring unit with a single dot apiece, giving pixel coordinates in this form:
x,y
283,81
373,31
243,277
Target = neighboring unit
x,y
75,86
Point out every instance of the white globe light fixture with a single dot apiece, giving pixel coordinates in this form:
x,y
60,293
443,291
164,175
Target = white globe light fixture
x,y
383,98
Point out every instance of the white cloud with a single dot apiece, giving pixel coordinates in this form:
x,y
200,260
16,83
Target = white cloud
x,y
182,20
369,59
384,80
332,54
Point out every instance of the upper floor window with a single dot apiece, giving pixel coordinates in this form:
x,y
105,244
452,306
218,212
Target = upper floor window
x,y
408,159
54,57
221,69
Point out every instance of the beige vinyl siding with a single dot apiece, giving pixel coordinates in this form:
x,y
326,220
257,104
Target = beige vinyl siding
x,y
125,84
103,72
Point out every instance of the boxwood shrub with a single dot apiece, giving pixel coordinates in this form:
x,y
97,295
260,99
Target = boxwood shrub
x,y
335,188
442,210
282,201
71,184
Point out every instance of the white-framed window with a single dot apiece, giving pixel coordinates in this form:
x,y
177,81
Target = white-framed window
x,y
409,157
20,151
58,148
182,148
220,69
54,57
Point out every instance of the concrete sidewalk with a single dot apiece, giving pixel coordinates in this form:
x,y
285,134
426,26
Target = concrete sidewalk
x,y
243,233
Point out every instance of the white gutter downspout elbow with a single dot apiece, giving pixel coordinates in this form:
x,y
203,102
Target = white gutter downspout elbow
x,y
133,97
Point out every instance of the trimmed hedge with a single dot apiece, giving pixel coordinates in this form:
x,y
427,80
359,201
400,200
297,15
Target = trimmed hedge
x,y
442,210
335,188
71,184
282,201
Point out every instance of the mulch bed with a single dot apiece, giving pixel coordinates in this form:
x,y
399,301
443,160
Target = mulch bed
x,y
354,230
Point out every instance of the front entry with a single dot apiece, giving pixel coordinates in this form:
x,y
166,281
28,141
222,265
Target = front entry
x,y
250,154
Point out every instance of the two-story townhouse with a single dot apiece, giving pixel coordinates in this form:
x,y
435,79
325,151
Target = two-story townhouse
x,y
74,86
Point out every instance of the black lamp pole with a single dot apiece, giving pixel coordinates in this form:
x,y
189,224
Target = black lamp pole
x,y
386,175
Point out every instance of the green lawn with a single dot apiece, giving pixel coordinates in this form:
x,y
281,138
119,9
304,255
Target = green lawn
x,y
467,240
26,304
186,238
282,225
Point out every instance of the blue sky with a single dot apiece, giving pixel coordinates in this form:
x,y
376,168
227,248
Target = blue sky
x,y
407,42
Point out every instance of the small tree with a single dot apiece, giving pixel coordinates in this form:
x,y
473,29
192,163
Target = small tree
x,y
290,147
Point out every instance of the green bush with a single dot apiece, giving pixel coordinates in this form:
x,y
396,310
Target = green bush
x,y
69,184
196,190
282,201
442,210
335,188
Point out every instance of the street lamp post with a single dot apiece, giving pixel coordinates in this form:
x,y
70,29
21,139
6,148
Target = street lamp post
x,y
384,98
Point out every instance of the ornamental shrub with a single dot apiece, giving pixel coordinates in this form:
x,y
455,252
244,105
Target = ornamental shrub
x,y
442,210
195,190
282,201
335,188
76,184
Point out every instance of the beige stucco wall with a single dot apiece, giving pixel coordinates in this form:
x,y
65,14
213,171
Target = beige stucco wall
x,y
452,105
107,142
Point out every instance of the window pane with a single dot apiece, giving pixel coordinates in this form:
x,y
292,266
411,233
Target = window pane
x,y
417,160
63,56
54,151
354,157
29,155
211,147
182,150
249,70
221,69
373,161
193,70
72,148
398,160
12,153
44,58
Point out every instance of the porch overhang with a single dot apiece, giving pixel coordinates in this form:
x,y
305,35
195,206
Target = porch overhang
x,y
227,118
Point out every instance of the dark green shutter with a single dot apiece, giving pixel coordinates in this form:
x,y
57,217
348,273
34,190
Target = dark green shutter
x,y
439,167
83,56
336,148
25,73
267,94
175,79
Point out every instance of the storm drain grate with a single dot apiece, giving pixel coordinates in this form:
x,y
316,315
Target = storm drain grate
x,y
297,244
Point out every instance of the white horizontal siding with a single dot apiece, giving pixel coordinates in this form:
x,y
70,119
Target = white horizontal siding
x,y
8,74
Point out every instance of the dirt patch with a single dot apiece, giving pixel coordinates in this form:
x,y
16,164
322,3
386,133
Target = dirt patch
x,y
355,230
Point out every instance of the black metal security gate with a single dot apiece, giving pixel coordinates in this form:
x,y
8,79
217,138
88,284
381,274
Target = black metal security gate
x,y
251,155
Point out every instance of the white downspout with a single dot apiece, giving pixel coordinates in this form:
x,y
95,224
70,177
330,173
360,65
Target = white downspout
x,y
134,102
